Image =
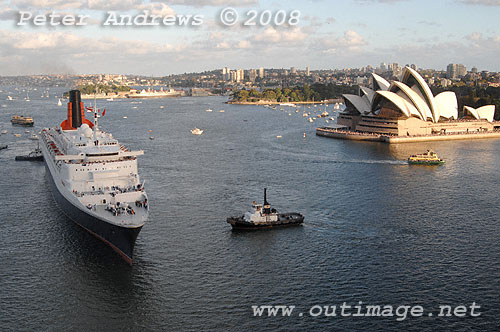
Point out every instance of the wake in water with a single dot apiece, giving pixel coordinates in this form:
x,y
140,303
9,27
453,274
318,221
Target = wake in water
x,y
276,146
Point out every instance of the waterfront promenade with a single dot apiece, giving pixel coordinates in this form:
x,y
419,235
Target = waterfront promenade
x,y
392,139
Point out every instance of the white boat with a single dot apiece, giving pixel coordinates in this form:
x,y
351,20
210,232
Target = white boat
x,y
221,111
59,103
34,137
288,104
4,132
17,135
310,120
94,179
196,131
110,99
209,110
125,117
9,98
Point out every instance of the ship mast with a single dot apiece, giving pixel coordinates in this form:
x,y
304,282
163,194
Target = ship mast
x,y
96,142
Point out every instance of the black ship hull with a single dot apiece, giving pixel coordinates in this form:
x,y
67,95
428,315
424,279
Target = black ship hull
x,y
284,220
120,239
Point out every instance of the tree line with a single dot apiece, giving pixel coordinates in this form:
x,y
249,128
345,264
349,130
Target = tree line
x,y
315,92
90,89
474,97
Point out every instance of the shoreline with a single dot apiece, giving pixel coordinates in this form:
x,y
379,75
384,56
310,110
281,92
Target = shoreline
x,y
268,102
358,136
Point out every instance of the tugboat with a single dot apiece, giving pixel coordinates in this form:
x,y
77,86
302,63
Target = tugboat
x,y
428,158
263,216
35,155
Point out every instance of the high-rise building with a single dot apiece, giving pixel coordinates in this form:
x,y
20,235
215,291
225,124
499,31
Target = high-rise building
x,y
252,75
308,72
455,71
474,70
383,67
240,75
293,70
261,72
226,74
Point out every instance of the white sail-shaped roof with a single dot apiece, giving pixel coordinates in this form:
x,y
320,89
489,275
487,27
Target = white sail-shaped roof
x,y
369,93
412,78
361,104
415,98
485,112
380,83
446,102
404,106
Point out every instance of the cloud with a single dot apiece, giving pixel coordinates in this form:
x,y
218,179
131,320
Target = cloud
x,y
350,41
160,9
482,2
214,3
7,13
280,37
123,4
24,52
380,1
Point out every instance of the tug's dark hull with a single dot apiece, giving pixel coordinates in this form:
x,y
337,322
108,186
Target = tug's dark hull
x,y
284,220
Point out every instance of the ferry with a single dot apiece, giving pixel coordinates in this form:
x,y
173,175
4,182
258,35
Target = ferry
x,y
427,158
263,216
94,179
20,120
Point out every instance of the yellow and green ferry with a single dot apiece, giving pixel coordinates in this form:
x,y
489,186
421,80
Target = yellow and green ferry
x,y
428,158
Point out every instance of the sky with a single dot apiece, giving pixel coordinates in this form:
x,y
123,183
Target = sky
x,y
327,35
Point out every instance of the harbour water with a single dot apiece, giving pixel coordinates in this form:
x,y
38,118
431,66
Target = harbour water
x,y
376,230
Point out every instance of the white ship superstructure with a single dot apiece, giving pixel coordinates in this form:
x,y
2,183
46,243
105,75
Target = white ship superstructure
x,y
96,179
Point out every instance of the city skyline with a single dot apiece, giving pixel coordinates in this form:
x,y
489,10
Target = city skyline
x,y
348,34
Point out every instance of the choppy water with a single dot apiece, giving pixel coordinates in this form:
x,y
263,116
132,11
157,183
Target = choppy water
x,y
376,230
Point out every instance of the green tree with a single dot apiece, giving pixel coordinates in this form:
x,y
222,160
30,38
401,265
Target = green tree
x,y
269,94
242,95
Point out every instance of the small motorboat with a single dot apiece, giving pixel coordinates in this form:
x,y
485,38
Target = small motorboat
x,y
196,131
263,216
209,110
3,147
59,103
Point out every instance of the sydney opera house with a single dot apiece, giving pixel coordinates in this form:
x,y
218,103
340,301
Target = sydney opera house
x,y
408,109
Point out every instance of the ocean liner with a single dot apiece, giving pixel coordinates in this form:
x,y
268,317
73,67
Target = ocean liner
x,y
94,179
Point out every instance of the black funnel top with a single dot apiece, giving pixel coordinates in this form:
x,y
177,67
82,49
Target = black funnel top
x,y
76,110
265,197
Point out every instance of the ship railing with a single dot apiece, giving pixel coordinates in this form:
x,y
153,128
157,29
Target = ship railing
x,y
113,190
